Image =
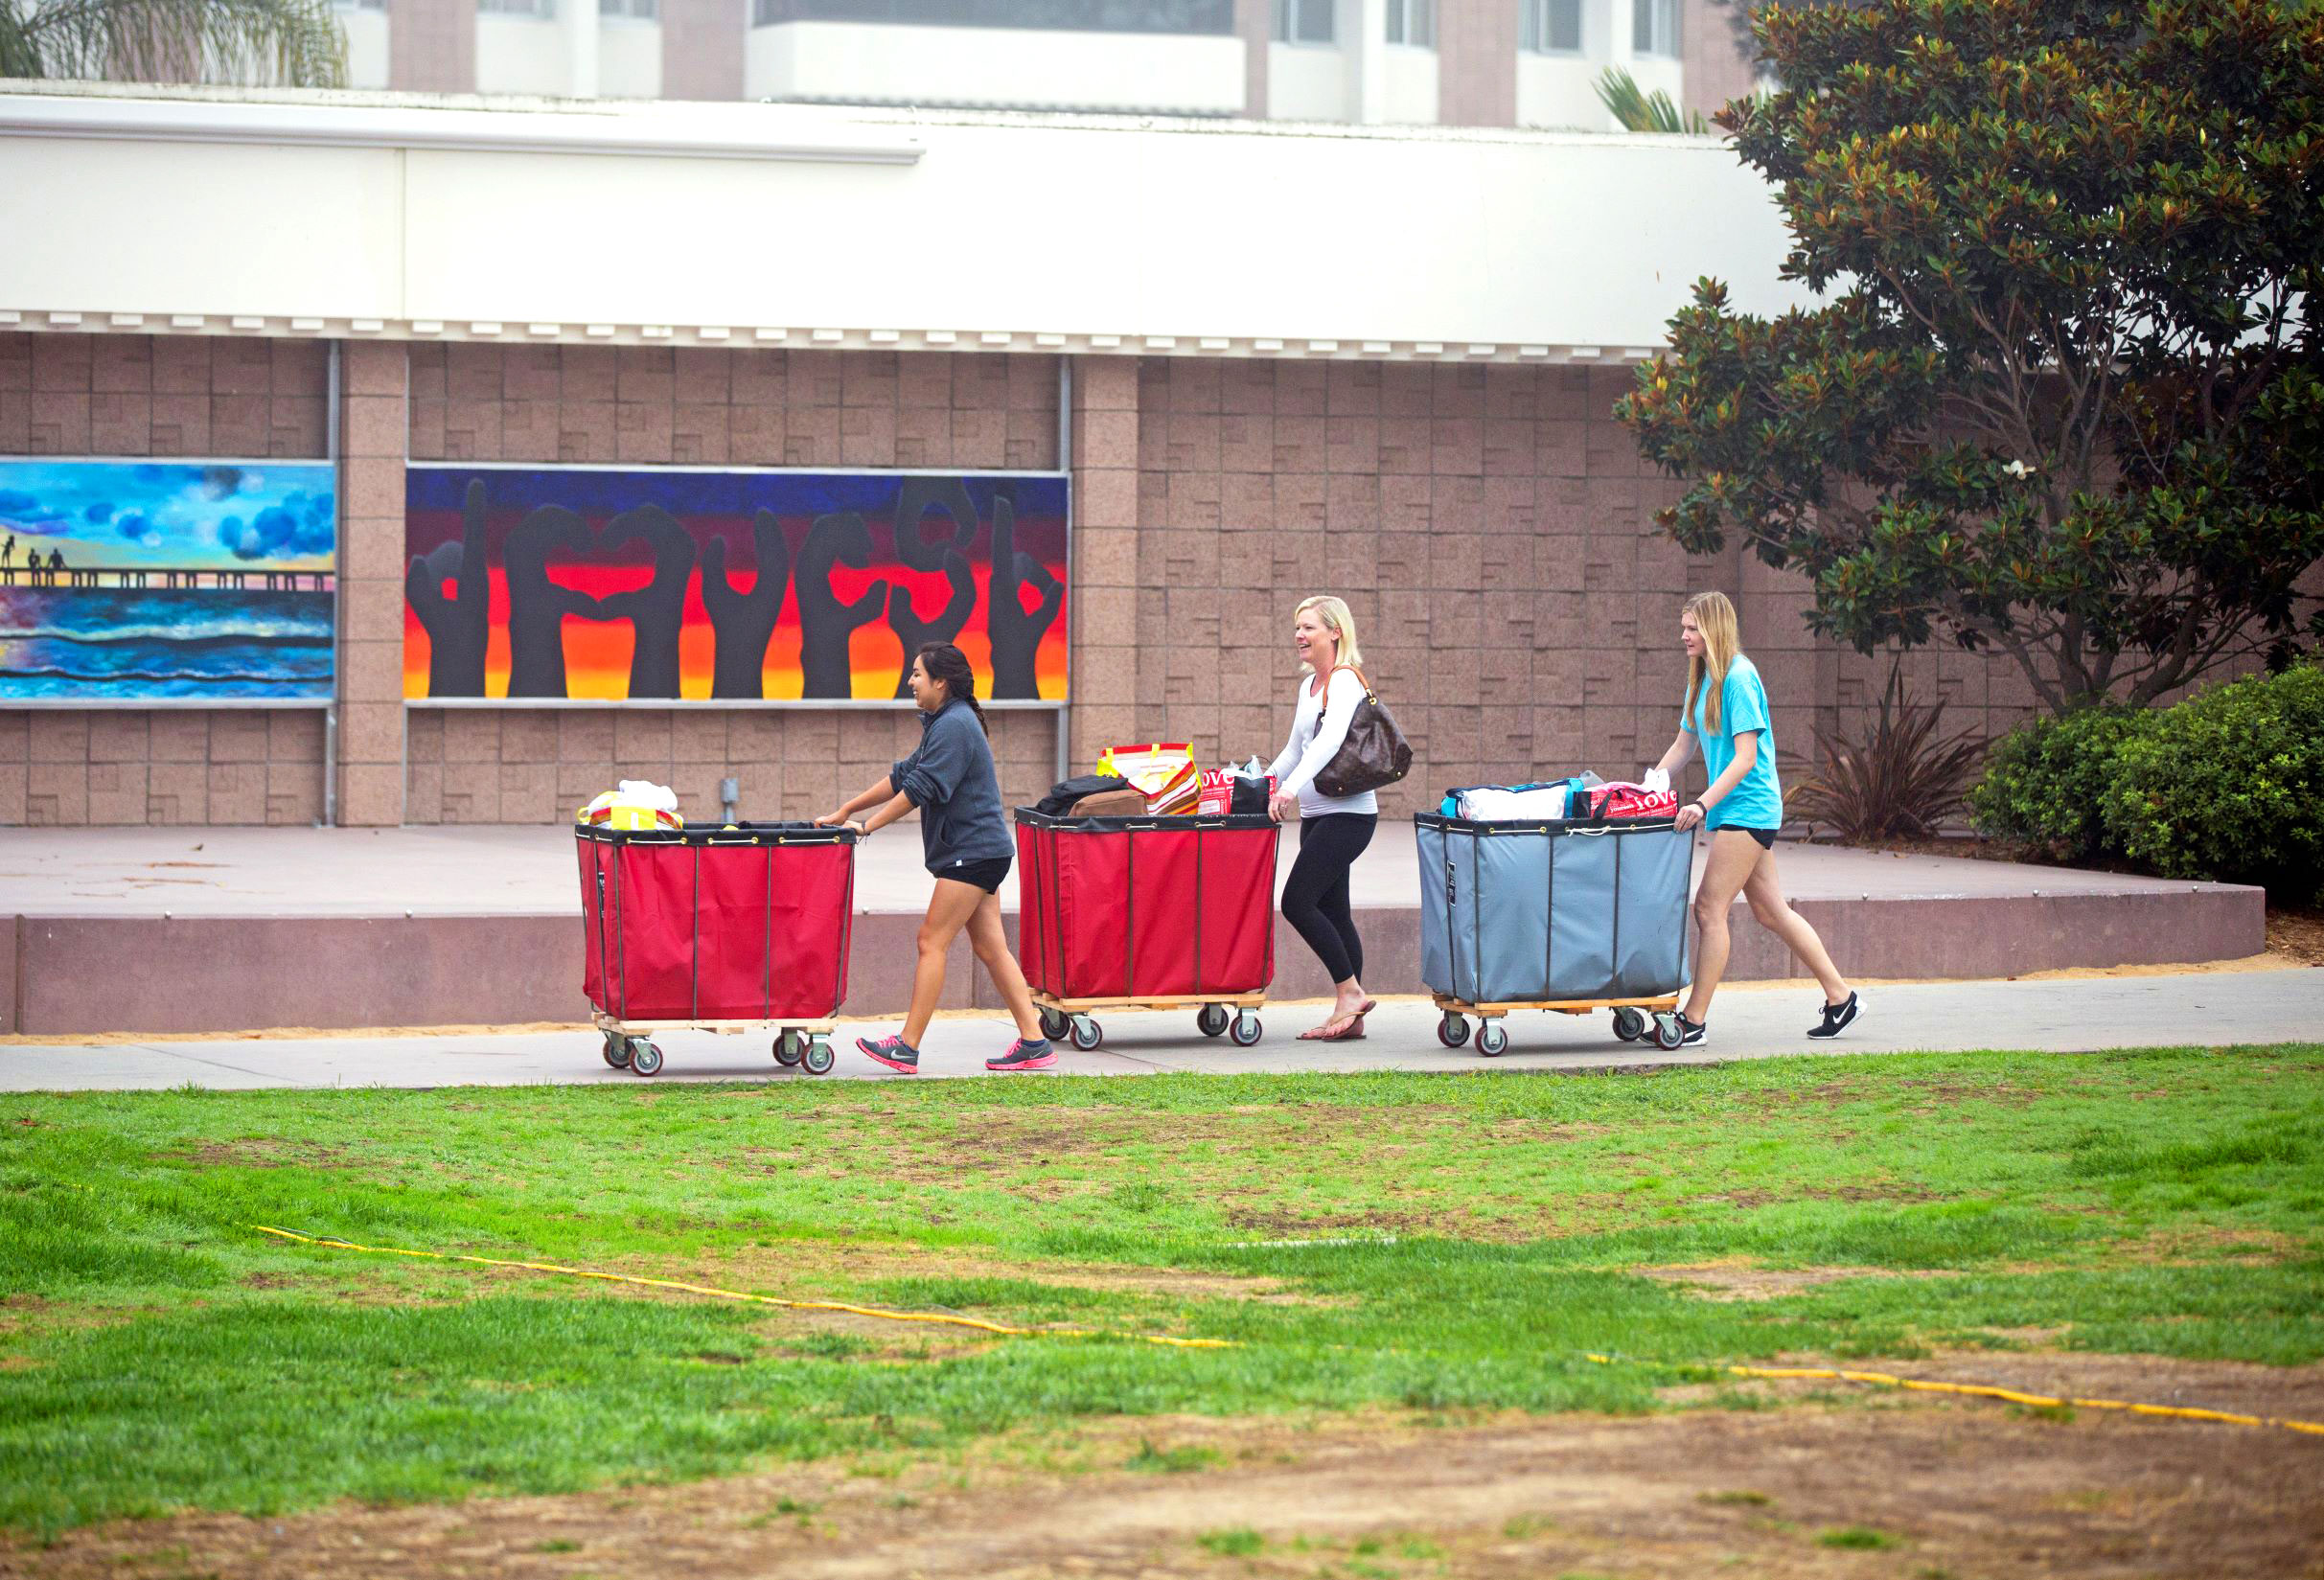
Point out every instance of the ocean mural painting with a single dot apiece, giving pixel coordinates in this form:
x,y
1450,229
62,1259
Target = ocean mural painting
x,y
582,583
167,581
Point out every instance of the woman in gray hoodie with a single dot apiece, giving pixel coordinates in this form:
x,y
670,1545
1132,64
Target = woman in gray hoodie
x,y
966,844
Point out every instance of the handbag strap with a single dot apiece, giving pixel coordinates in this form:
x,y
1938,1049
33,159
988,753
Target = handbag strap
x,y
1323,703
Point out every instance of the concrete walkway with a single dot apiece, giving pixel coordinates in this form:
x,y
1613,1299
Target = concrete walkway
x,y
1756,1020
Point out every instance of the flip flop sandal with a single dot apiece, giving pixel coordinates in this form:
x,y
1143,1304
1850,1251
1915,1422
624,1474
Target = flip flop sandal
x,y
1351,1032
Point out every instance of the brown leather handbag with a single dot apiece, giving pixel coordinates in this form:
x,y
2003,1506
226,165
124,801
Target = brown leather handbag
x,y
1375,753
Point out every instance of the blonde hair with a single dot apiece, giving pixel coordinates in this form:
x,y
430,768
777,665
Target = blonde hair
x,y
1714,617
1340,623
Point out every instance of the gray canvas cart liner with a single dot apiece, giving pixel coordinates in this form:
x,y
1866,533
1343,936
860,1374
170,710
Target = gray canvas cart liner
x,y
1587,910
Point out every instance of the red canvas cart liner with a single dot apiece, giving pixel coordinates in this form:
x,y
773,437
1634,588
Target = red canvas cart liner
x,y
749,923
1169,907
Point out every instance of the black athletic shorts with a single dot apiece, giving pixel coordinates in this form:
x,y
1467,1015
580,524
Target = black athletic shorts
x,y
985,874
1765,836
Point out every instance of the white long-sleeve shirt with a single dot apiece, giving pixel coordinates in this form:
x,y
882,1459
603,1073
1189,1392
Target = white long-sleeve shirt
x,y
1316,734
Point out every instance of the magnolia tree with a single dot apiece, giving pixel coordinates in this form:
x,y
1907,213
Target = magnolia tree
x,y
2064,393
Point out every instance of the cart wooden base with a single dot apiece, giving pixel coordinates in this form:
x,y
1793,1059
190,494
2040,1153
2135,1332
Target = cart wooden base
x,y
1234,1015
629,1045
1652,1020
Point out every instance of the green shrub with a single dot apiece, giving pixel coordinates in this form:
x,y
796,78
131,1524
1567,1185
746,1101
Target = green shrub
x,y
2045,780
2228,785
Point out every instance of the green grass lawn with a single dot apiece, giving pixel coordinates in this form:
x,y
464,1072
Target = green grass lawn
x,y
1467,1235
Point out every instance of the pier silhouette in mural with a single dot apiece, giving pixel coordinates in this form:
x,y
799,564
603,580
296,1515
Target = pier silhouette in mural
x,y
590,585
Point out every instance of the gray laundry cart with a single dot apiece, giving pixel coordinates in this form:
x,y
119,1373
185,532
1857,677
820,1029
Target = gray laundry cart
x,y
1572,916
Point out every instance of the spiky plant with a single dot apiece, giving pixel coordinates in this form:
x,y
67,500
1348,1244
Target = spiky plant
x,y
1637,110
1901,781
286,44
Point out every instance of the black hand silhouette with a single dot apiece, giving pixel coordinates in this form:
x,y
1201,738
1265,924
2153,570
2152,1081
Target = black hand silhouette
x,y
916,633
1015,634
537,607
459,626
825,623
744,622
915,499
657,610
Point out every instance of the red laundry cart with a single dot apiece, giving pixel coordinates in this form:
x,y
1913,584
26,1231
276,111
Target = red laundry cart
x,y
1146,913
725,929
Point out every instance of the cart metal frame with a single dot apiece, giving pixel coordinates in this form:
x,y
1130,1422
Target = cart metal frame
x,y
1073,1018
1635,1020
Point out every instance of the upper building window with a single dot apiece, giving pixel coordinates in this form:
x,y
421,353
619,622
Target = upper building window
x,y
1550,27
545,10
1303,21
1654,27
1212,16
1412,22
636,11
360,5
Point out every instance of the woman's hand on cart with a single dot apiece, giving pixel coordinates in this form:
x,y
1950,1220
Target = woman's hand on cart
x,y
1690,816
840,819
1283,807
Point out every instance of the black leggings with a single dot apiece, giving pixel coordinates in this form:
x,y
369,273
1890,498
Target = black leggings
x,y
1315,896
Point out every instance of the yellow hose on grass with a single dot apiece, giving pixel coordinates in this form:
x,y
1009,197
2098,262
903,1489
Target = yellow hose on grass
x,y
1872,1379
938,1318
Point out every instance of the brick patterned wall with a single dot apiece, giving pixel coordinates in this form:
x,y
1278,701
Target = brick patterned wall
x,y
1477,65
137,395
702,49
745,407
1487,526
1716,68
432,46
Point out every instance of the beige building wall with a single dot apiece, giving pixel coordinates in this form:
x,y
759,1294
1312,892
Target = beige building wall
x,y
1490,526
432,46
1477,64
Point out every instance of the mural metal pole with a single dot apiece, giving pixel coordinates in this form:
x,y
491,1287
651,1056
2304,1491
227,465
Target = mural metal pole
x,y
1065,464
338,588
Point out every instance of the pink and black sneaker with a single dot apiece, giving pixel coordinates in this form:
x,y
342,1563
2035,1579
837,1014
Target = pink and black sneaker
x,y
894,1052
1025,1054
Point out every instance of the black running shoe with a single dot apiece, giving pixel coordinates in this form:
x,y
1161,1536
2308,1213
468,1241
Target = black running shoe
x,y
1691,1031
1837,1018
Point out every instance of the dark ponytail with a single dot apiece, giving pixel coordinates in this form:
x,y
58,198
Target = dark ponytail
x,y
948,667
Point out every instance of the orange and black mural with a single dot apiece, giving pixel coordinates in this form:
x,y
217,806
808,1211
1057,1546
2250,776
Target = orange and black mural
x,y
612,584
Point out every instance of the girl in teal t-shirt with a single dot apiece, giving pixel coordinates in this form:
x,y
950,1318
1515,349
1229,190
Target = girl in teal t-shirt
x,y
1725,715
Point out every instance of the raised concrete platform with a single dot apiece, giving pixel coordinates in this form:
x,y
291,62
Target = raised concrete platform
x,y
222,929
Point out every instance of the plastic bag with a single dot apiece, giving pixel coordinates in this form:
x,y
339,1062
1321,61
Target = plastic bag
x,y
1162,771
634,804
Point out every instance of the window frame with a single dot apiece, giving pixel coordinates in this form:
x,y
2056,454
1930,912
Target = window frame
x,y
1534,17
1401,17
1662,40
1284,18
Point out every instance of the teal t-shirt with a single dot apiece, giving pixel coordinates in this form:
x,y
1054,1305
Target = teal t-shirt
x,y
1757,801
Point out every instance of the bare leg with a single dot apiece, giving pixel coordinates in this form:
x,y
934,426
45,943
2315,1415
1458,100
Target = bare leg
x,y
949,909
1731,856
991,942
1772,911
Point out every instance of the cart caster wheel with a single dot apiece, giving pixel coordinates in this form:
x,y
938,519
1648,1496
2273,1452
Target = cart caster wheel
x,y
1246,1029
617,1050
1210,1020
1054,1025
1087,1033
1667,1034
790,1048
1492,1039
1628,1025
1452,1031
645,1059
816,1057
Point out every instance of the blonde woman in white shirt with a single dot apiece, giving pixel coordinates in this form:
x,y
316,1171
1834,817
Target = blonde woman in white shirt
x,y
1333,830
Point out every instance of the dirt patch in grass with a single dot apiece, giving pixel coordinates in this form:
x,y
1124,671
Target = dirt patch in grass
x,y
1944,1487
266,1152
1735,1279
